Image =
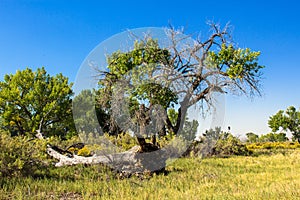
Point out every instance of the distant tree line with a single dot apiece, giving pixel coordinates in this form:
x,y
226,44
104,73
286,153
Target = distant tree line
x,y
270,137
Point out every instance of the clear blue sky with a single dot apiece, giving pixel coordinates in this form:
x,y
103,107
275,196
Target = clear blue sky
x,y
59,35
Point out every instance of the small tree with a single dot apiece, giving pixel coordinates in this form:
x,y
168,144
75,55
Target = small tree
x,y
251,137
35,100
288,120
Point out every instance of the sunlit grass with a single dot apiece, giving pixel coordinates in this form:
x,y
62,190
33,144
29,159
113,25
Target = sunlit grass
x,y
275,176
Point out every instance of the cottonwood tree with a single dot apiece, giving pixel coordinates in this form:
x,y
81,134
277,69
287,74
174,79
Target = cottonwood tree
x,y
150,80
179,77
31,101
288,120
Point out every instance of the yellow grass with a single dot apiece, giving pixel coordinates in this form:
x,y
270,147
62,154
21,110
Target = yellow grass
x,y
275,176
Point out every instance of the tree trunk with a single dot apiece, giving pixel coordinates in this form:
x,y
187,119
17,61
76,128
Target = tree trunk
x,y
180,119
131,161
144,158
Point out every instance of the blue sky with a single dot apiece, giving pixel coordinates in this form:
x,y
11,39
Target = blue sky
x,y
60,34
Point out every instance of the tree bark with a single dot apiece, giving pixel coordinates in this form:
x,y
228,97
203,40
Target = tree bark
x,y
131,161
138,159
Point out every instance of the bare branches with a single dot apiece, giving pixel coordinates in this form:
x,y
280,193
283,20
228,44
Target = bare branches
x,y
202,77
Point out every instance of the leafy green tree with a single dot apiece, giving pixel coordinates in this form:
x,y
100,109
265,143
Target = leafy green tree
x,y
252,137
288,120
177,78
273,137
35,100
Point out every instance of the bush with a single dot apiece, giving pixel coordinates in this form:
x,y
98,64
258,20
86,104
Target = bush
x,y
124,140
85,151
20,156
228,145
217,143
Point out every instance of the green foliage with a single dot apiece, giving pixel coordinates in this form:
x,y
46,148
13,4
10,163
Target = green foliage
x,y
203,147
270,137
213,134
147,73
251,137
217,143
124,141
273,137
147,52
85,151
241,63
32,100
88,116
228,144
20,156
173,115
135,71
155,94
287,120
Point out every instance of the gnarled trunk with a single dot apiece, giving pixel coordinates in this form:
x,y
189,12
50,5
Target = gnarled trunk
x,y
146,157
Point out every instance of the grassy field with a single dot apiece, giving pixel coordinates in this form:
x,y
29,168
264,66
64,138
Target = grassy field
x,y
275,176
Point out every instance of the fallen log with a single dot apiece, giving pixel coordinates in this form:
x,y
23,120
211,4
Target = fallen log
x,y
135,160
131,161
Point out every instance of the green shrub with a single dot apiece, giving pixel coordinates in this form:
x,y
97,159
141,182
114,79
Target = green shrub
x,y
228,145
217,143
20,156
85,151
123,140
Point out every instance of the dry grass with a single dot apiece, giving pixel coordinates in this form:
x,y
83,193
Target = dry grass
x,y
275,176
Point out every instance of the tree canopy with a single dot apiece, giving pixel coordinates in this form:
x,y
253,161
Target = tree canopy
x,y
175,77
288,120
35,100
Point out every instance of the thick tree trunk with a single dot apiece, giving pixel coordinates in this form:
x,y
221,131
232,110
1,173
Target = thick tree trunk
x,y
131,161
